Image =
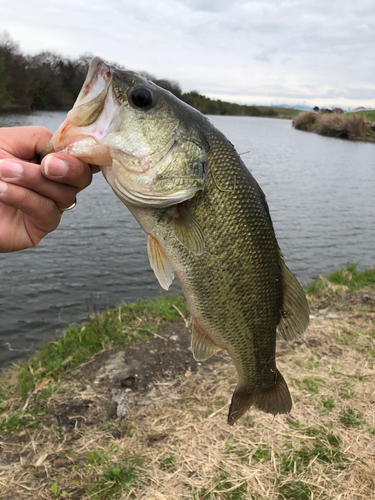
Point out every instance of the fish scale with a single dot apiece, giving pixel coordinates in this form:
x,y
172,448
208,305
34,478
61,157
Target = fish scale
x,y
206,221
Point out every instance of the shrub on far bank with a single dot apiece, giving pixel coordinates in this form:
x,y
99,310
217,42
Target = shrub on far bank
x,y
305,120
344,126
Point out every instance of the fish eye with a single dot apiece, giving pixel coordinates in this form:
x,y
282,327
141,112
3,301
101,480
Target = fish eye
x,y
142,97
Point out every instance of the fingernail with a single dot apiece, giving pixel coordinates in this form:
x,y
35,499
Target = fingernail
x,y
10,169
3,187
55,167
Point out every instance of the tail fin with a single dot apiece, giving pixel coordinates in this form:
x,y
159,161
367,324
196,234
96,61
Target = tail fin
x,y
276,399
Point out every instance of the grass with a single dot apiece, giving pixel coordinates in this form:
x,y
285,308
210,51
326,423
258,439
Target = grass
x,y
351,418
346,279
224,487
114,478
119,326
324,450
295,491
342,126
19,419
167,447
305,121
367,114
328,404
345,126
168,462
324,447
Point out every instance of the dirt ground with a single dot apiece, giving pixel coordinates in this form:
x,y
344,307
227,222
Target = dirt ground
x,y
153,401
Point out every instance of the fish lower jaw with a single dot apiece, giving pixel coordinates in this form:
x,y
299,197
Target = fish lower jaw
x,y
147,200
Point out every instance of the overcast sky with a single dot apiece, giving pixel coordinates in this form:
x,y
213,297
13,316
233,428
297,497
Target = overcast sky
x,y
313,52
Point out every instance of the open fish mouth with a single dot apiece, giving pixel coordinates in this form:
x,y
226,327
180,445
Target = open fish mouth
x,y
89,121
115,124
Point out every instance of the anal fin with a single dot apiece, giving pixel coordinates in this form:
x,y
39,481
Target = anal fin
x,y
201,344
159,263
275,399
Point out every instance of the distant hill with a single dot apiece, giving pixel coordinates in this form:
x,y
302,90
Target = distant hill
x,y
297,106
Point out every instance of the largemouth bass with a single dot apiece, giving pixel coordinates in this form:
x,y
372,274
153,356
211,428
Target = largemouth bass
x,y
206,222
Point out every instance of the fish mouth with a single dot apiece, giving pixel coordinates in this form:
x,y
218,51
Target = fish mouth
x,y
88,122
106,128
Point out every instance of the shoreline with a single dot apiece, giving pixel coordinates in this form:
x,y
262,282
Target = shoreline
x,y
118,407
286,113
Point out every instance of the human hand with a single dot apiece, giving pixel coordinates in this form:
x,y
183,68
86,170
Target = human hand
x,y
31,195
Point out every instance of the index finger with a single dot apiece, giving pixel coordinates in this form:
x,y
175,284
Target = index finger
x,y
24,142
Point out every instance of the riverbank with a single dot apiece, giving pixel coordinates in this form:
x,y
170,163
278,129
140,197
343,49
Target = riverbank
x,y
353,126
118,408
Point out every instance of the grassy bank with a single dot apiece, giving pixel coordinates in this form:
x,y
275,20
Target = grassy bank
x,y
368,114
354,126
118,409
120,326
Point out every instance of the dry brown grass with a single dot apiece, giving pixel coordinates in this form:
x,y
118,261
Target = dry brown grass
x,y
178,445
344,126
304,120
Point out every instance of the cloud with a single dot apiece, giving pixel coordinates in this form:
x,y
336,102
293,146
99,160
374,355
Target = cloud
x,y
304,49
208,5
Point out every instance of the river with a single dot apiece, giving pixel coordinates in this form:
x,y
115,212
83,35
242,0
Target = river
x,y
320,192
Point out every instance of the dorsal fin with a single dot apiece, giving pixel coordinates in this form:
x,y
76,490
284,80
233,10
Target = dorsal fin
x,y
201,344
188,231
294,314
159,262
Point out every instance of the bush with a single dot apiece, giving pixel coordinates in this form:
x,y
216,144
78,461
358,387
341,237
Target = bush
x,y
344,126
304,120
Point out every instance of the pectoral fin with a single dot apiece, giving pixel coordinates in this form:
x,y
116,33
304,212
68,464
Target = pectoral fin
x,y
188,231
294,314
201,344
159,263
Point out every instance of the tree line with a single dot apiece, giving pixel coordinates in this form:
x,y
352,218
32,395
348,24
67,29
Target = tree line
x,y
49,81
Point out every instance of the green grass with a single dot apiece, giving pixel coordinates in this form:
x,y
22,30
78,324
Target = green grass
x,y
167,462
325,446
119,326
309,384
295,490
241,452
21,420
351,418
323,450
349,277
347,392
262,453
223,483
368,114
115,478
328,404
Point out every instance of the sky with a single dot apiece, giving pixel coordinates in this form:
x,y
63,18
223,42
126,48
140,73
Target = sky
x,y
297,52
